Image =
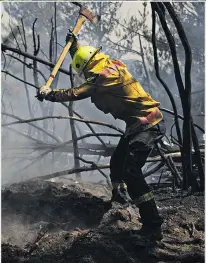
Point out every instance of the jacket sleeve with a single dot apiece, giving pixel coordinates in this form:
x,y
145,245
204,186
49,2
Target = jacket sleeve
x,y
62,95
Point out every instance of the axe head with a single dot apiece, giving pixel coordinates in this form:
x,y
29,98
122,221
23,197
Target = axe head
x,y
93,18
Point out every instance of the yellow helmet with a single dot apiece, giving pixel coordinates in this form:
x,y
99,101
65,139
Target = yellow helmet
x,y
82,56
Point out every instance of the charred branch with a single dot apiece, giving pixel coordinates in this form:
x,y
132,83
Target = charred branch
x,y
28,66
168,162
198,159
33,125
187,98
186,149
27,55
156,64
98,134
144,64
13,33
187,146
102,173
24,74
64,117
182,118
13,76
92,130
107,166
73,130
24,135
72,171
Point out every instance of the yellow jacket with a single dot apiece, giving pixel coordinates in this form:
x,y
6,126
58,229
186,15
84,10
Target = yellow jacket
x,y
113,90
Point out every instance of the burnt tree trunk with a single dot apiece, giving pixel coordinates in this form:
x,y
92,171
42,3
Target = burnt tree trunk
x,y
185,95
188,62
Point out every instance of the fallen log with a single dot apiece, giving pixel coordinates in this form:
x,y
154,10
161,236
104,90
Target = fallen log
x,y
174,156
96,149
71,171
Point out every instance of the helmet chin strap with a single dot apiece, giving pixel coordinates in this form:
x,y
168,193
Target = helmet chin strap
x,y
80,78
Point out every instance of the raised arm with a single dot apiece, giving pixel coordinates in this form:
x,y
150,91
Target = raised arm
x,y
62,95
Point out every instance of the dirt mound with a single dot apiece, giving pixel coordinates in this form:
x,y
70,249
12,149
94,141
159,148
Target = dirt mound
x,y
41,203
46,222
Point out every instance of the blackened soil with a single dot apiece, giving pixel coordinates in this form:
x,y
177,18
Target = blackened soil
x,y
45,222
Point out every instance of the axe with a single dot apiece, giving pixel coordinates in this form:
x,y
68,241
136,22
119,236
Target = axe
x,y
84,14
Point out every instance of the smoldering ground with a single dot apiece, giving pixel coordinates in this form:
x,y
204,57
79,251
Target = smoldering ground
x,y
76,225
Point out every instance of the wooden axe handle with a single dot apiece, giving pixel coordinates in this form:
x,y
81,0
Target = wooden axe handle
x,y
80,21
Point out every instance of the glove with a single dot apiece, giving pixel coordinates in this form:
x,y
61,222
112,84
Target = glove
x,y
43,92
71,36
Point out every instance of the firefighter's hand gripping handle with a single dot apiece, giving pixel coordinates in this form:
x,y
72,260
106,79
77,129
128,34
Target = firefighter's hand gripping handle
x,y
84,14
80,21
39,97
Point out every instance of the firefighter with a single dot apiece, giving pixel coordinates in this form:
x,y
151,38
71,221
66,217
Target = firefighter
x,y
114,90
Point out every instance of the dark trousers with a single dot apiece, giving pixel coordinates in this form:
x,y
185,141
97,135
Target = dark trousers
x,y
130,156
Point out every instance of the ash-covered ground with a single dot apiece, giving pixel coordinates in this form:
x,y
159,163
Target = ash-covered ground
x,y
49,222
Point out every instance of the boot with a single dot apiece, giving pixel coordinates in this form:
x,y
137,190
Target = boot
x,y
120,194
151,220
